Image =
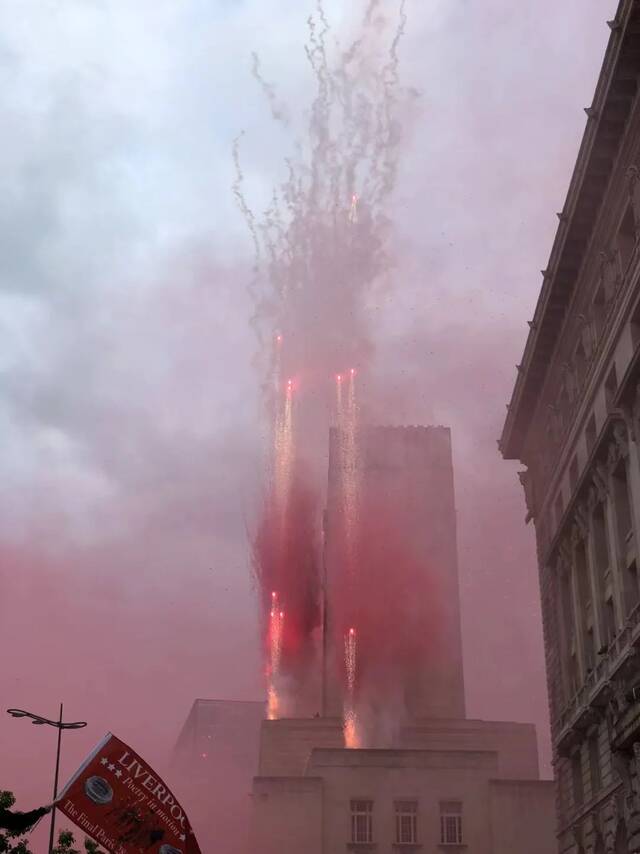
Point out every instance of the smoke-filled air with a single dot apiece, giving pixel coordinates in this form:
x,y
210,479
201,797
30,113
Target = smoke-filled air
x,y
266,269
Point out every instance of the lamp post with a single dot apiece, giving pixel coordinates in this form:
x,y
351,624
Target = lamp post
x,y
38,720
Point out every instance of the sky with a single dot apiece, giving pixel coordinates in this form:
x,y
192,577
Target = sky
x,y
130,420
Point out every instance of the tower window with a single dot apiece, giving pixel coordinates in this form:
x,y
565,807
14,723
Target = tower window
x,y
406,822
361,821
451,823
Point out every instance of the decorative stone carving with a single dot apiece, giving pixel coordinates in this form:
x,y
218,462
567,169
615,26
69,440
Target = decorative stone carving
x,y
612,817
619,446
529,497
576,832
600,481
581,517
593,835
617,704
621,438
586,335
622,764
565,554
609,273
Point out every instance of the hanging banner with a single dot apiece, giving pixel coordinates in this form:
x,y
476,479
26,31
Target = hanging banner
x,y
118,799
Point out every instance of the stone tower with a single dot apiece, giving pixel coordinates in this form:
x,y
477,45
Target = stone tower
x,y
410,470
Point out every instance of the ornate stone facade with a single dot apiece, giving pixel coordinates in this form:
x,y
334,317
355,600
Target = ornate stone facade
x,y
574,422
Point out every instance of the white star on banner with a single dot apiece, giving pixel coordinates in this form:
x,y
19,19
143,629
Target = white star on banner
x,y
118,773
104,760
111,766
182,838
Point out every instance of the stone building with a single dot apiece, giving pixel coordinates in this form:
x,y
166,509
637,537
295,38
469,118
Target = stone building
x,y
435,782
445,786
574,422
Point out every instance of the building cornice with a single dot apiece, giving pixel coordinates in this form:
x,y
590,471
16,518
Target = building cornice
x,y
607,117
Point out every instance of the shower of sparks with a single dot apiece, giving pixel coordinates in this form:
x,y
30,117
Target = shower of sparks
x,y
283,452
319,238
347,409
351,738
276,625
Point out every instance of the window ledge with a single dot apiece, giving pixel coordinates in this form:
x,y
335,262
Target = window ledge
x,y
362,846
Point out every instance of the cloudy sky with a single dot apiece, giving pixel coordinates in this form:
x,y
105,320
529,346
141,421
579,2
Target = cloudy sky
x,y
130,425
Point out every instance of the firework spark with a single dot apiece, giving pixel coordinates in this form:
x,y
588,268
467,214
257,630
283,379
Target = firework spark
x,y
283,452
351,738
276,625
347,409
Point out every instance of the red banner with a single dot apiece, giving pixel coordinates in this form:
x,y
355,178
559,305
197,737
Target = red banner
x,y
117,799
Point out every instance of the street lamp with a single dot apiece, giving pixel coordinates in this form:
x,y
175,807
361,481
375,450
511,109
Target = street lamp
x,y
38,720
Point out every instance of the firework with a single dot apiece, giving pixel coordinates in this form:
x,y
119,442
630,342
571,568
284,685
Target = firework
x,y
318,243
347,409
351,738
276,625
283,453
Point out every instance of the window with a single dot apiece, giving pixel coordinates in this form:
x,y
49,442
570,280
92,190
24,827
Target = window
x,y
451,823
406,822
594,764
361,821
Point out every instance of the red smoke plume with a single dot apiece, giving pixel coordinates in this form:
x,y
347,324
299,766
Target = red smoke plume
x,y
286,562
